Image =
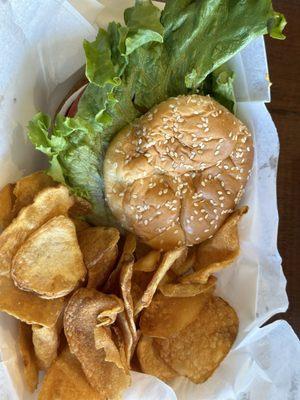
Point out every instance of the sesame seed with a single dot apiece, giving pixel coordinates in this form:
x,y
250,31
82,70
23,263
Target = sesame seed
x,y
206,230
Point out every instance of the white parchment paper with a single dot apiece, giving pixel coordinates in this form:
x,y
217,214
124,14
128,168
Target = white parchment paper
x,y
40,54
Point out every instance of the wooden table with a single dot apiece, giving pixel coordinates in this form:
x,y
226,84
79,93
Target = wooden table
x,y
284,65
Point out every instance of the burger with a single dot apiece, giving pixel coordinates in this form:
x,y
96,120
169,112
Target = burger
x,y
174,175
149,136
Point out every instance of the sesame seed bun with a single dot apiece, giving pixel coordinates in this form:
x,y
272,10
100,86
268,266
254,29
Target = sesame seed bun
x,y
174,175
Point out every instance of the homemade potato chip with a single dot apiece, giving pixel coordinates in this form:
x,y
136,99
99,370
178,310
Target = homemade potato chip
x,y
80,208
185,264
125,286
7,200
198,349
48,203
109,315
148,262
28,187
127,336
142,249
178,264
167,260
100,251
31,371
167,316
218,252
46,341
187,289
119,340
103,340
65,380
28,307
50,262
80,320
150,361
112,282
80,225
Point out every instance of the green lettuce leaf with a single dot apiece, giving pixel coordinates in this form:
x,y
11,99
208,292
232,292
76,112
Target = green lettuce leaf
x,y
130,68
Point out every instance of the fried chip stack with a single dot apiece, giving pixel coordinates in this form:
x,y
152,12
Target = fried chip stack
x,y
94,304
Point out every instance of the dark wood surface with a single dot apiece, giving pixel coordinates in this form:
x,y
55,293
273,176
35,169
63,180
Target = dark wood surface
x,y
284,65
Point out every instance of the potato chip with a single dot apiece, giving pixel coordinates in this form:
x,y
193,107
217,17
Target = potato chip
x,y
50,262
100,251
167,316
198,349
112,283
119,340
218,252
148,262
142,249
109,315
140,281
46,342
7,200
29,186
150,361
80,320
28,307
49,203
186,264
125,286
31,371
167,260
103,340
65,380
187,289
178,264
80,208
127,337
80,225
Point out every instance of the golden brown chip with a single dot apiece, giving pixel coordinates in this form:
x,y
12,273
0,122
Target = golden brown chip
x,y
80,208
65,380
100,251
218,252
80,320
141,250
129,340
46,342
139,283
80,225
119,340
28,307
148,262
7,200
31,371
112,283
198,349
167,260
150,361
49,203
186,264
166,316
178,264
29,186
50,262
187,289
103,340
125,286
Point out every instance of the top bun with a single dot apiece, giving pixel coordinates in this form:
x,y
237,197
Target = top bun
x,y
174,175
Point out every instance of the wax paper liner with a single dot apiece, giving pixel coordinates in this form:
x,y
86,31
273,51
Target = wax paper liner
x,y
41,53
